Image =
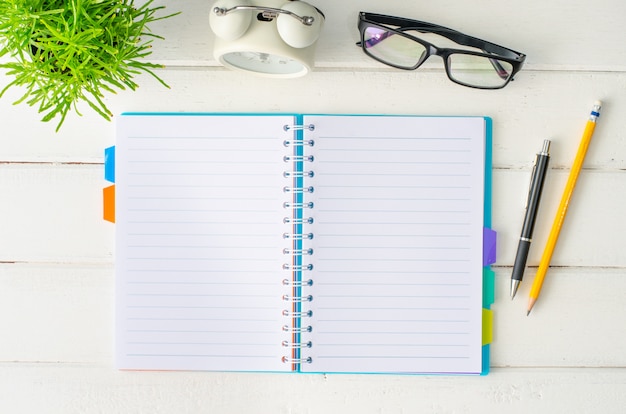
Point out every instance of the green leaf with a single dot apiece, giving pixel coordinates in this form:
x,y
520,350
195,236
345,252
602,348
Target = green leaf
x,y
63,52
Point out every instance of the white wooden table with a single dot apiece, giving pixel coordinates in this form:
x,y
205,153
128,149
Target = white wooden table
x,y
56,253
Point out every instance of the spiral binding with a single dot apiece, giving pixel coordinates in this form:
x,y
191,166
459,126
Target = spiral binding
x,y
310,127
298,268
303,220
297,205
303,252
288,360
302,158
301,345
298,174
291,314
298,142
303,236
298,190
296,302
297,299
292,329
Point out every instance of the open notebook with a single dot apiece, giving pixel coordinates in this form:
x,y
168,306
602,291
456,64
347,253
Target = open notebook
x,y
306,243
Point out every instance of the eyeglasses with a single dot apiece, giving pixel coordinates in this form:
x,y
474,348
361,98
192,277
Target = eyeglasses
x,y
492,67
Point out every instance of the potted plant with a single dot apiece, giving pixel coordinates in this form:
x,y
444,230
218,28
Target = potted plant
x,y
64,52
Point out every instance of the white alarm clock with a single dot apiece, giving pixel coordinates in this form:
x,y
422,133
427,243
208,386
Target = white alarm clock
x,y
273,38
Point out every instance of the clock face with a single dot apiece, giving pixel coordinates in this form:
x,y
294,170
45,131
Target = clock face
x,y
265,63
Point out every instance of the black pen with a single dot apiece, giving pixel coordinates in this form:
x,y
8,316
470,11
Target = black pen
x,y
532,205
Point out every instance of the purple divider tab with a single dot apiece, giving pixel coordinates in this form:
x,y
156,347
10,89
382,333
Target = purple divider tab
x,y
489,246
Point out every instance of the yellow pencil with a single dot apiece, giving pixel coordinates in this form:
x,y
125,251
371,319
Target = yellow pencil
x,y
562,210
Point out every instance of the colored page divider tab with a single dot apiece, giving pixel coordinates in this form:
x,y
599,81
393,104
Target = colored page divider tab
x,y
489,285
489,246
486,358
108,203
489,281
109,164
487,326
108,193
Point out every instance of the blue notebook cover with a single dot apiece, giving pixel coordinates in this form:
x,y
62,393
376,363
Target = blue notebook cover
x,y
298,266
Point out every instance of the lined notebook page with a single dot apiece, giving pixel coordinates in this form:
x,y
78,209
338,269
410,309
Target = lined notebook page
x,y
398,210
199,242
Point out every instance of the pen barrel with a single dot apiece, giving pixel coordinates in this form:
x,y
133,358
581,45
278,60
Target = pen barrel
x,y
534,195
520,260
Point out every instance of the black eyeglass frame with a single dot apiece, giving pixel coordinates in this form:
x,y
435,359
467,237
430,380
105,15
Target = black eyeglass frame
x,y
491,50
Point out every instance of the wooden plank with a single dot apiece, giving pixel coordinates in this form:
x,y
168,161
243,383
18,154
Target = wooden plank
x,y
56,313
573,320
538,105
574,45
55,215
591,235
65,313
567,356
76,388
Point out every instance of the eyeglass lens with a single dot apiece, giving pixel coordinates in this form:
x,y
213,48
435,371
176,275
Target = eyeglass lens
x,y
400,51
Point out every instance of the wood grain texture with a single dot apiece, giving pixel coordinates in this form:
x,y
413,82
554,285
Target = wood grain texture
x,y
83,388
53,213
56,254
64,313
537,105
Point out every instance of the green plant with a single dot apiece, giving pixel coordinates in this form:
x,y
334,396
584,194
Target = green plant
x,y
66,51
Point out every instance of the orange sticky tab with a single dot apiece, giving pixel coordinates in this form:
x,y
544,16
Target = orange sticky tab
x,y
108,198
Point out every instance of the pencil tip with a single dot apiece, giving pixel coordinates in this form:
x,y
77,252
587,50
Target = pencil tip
x,y
531,303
